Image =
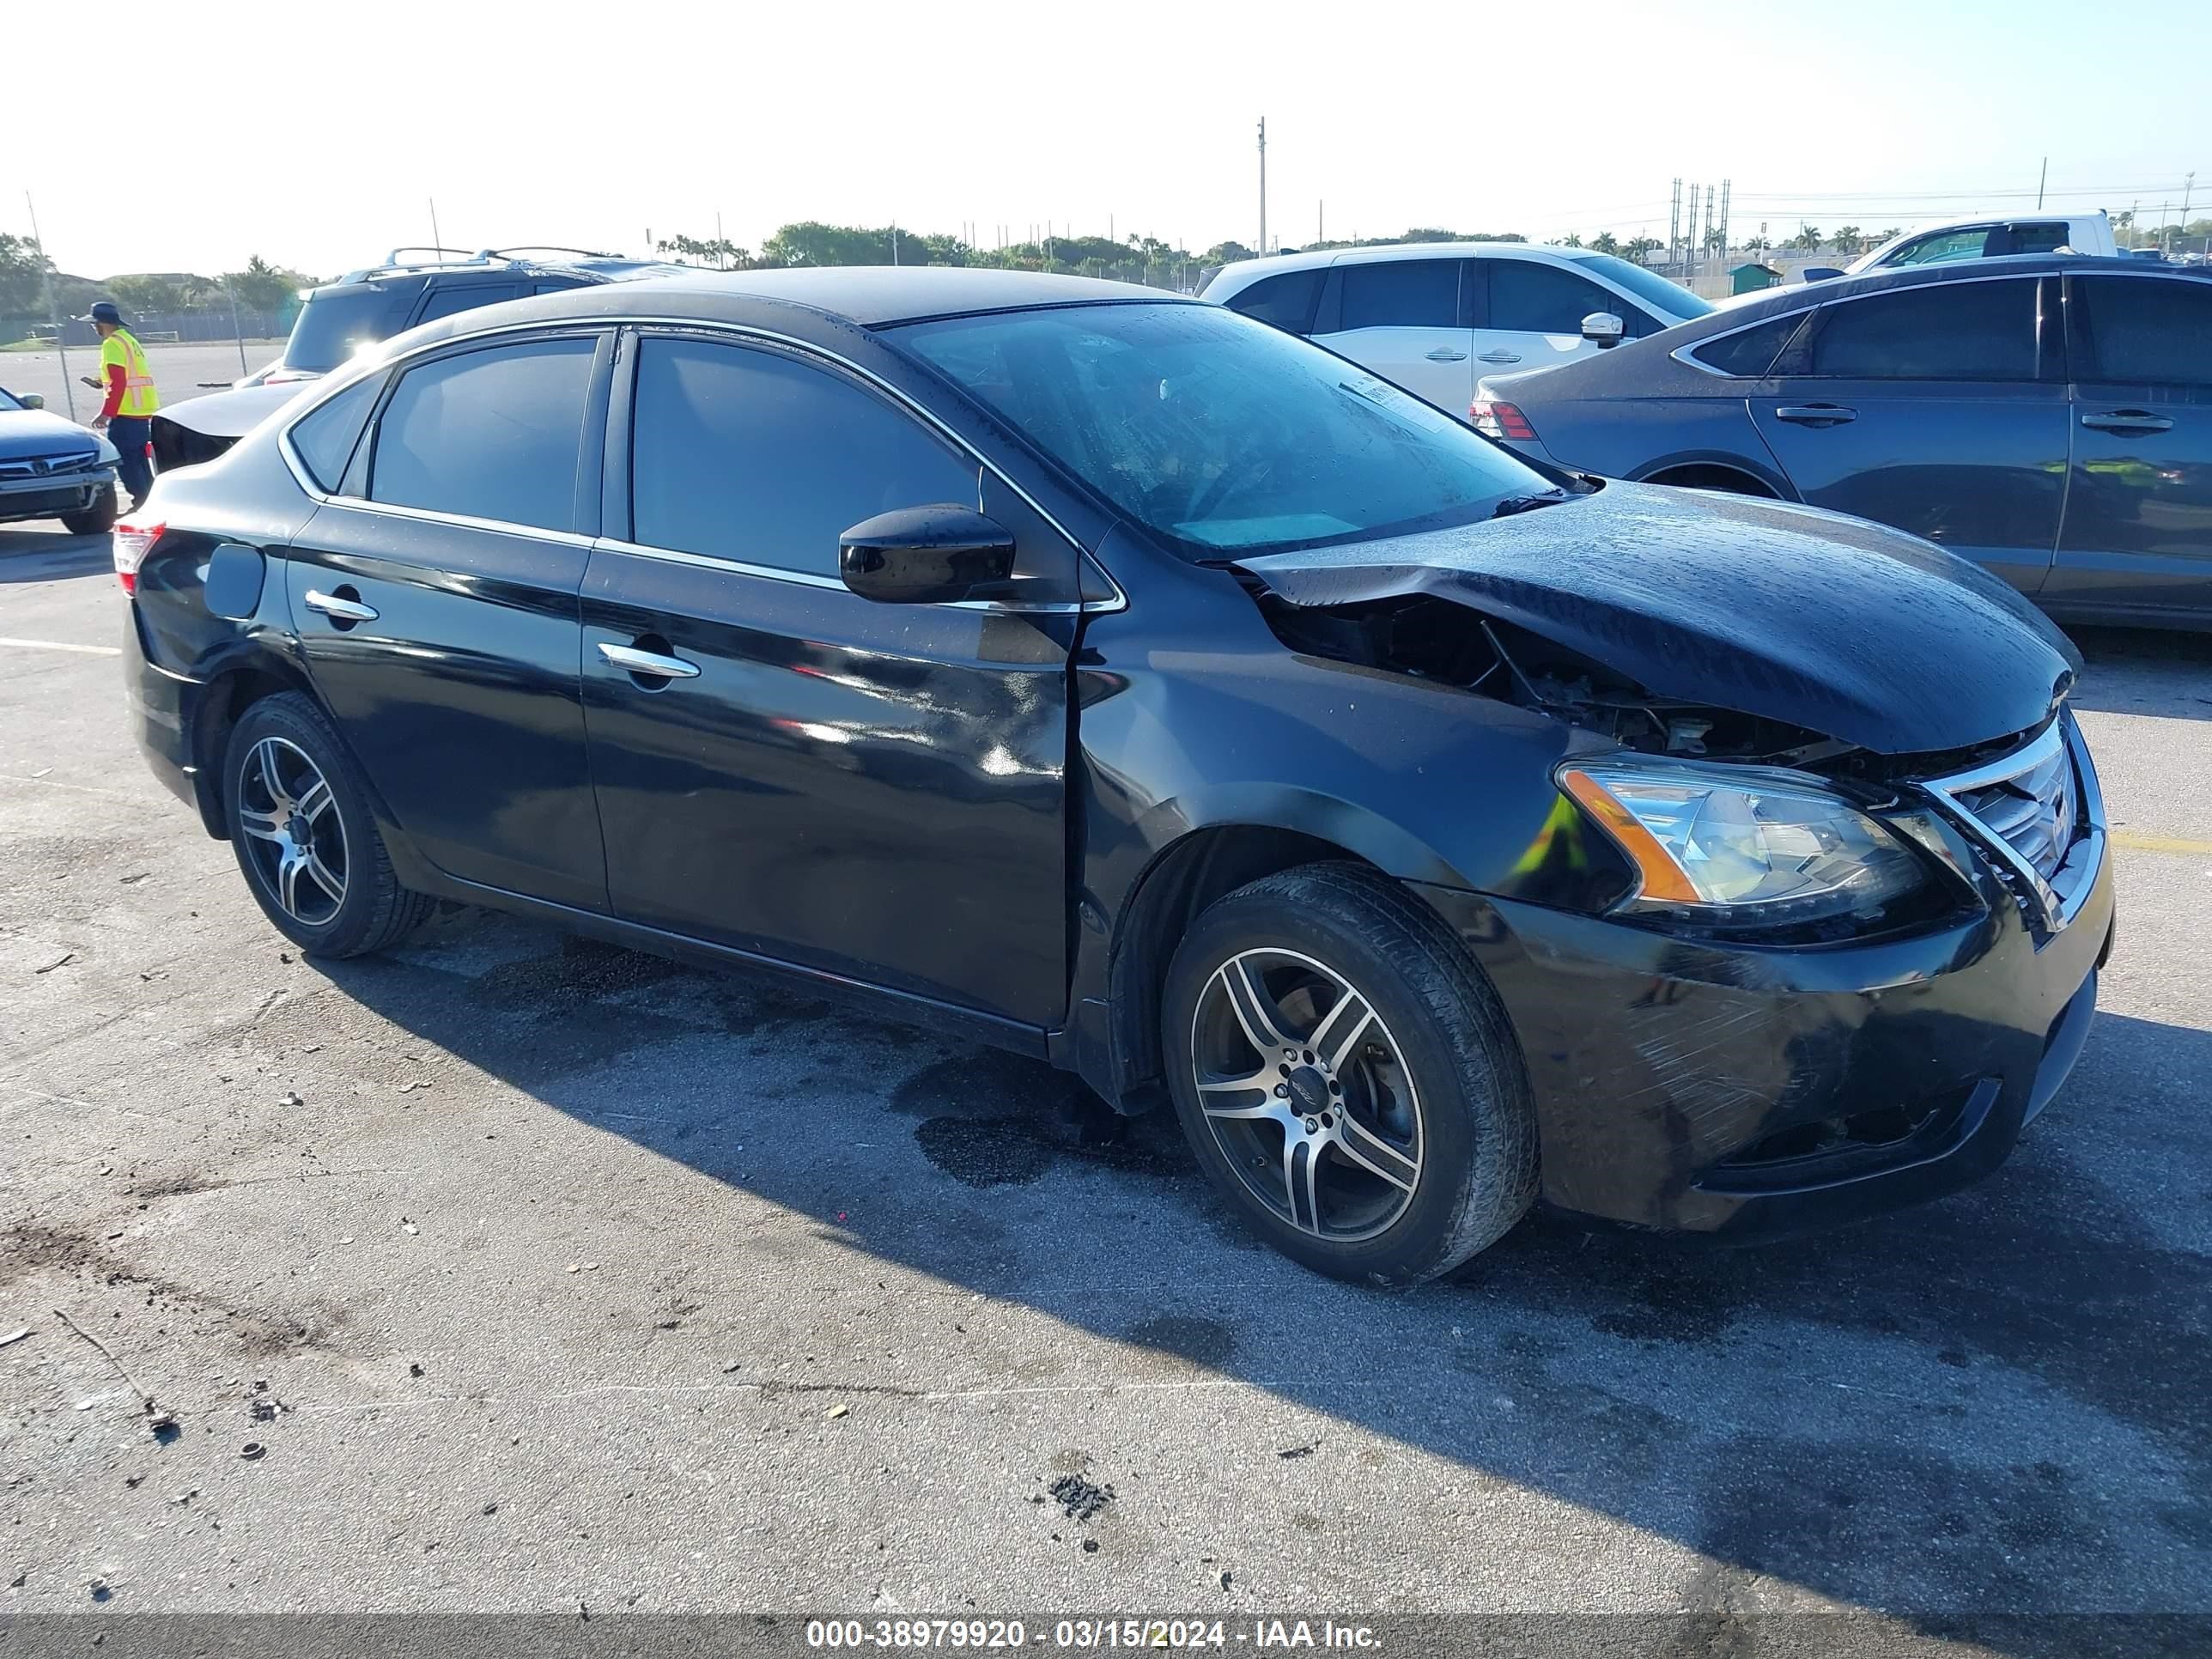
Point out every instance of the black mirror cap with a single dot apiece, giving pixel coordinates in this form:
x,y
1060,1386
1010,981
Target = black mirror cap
x,y
926,556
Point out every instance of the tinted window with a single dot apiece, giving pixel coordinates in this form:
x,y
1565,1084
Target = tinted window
x,y
1287,301
1534,298
2144,332
797,456
448,298
1943,246
1669,299
1750,352
492,434
335,321
323,437
1218,434
1944,332
2039,238
1402,294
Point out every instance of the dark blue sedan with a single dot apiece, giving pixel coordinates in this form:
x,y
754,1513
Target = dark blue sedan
x,y
2049,416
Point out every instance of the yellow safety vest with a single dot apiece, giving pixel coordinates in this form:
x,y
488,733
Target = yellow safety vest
x,y
139,397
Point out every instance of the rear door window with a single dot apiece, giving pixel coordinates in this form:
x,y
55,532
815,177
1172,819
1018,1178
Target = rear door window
x,y
1285,302
1750,353
488,434
1530,298
2146,331
1401,294
447,298
1954,330
2037,237
1944,247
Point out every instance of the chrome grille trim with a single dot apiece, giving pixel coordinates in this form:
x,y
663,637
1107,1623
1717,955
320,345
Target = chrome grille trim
x,y
2038,812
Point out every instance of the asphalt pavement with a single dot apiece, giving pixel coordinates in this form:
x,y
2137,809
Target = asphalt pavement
x,y
550,1277
179,371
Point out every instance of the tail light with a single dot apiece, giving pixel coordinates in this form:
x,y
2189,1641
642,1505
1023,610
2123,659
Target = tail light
x,y
1495,419
132,543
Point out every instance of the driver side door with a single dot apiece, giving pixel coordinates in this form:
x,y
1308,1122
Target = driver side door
x,y
874,791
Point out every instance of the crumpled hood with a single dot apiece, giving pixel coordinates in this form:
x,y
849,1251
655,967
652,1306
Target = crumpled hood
x,y
1860,633
38,432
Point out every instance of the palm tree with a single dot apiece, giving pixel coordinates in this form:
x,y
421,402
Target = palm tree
x,y
1849,241
1807,237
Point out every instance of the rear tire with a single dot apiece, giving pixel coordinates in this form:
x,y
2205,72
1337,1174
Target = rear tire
x,y
95,520
297,809
1386,1138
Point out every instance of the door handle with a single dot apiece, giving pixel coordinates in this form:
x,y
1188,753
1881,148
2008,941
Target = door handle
x,y
1815,414
1445,355
631,660
2127,420
1501,356
338,610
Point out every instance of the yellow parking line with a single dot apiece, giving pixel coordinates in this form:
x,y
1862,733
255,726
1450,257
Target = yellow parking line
x,y
2135,843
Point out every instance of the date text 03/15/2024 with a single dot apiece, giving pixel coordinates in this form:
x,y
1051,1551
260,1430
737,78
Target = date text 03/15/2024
x,y
1167,1635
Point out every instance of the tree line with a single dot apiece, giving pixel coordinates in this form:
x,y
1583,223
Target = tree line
x,y
24,272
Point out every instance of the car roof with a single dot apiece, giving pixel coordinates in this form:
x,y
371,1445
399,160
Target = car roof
x,y
1234,278
866,296
1798,295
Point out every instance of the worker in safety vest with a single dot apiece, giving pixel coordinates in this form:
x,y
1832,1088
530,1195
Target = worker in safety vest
x,y
127,416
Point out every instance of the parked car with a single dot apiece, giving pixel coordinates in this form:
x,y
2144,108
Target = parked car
x,y
1435,831
2050,418
50,468
1430,317
2087,234
363,308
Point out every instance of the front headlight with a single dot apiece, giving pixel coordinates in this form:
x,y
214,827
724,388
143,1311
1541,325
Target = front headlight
x,y
1741,847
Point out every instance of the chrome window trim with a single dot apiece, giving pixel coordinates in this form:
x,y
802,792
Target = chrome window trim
x,y
2059,900
463,520
811,579
1680,353
1118,600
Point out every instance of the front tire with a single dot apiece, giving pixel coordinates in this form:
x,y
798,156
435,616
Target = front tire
x,y
305,842
1347,1076
95,520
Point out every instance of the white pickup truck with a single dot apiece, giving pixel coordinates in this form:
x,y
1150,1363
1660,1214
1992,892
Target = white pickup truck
x,y
1985,239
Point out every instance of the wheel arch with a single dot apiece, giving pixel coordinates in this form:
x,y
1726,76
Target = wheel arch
x,y
1715,472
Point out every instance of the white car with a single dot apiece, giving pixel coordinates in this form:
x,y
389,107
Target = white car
x,y
1989,239
1432,316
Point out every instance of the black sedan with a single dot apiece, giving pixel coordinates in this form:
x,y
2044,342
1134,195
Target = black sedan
x,y
2049,416
1148,690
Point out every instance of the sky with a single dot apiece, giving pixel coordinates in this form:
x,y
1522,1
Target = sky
x,y
317,135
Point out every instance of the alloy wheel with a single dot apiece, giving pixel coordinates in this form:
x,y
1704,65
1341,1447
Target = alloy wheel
x,y
1307,1094
294,832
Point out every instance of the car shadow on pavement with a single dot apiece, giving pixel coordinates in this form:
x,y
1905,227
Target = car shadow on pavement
x,y
2143,672
46,556
1998,1403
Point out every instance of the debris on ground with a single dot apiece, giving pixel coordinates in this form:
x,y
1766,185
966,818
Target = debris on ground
x,y
837,1411
252,1449
410,1087
1306,1450
62,961
734,1366
1079,1499
1222,1578
408,1226
17,1336
292,1097
164,1426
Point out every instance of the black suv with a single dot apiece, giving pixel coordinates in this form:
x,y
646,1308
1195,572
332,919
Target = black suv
x,y
370,304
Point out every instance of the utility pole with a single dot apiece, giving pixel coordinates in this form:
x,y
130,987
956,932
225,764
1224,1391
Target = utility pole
x,y
2188,186
1690,239
1709,213
1727,185
53,311
1263,186
2041,178
1675,226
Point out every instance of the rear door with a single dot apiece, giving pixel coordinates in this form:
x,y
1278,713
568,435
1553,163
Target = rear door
x,y
1939,408
1531,314
872,791
435,594
1403,318
2138,528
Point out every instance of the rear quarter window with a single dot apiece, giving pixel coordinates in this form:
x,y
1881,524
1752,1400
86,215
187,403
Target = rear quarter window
x,y
1750,353
1285,302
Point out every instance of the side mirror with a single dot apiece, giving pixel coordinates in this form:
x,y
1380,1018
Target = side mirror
x,y
1820,273
1603,330
924,555
33,400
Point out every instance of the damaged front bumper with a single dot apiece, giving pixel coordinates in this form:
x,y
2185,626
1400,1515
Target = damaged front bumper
x,y
1752,1090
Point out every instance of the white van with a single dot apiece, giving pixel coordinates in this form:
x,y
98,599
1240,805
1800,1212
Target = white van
x,y
1432,316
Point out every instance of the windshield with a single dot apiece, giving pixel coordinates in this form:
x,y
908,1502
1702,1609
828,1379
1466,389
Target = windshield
x,y
1649,286
1223,435
8,399
335,321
